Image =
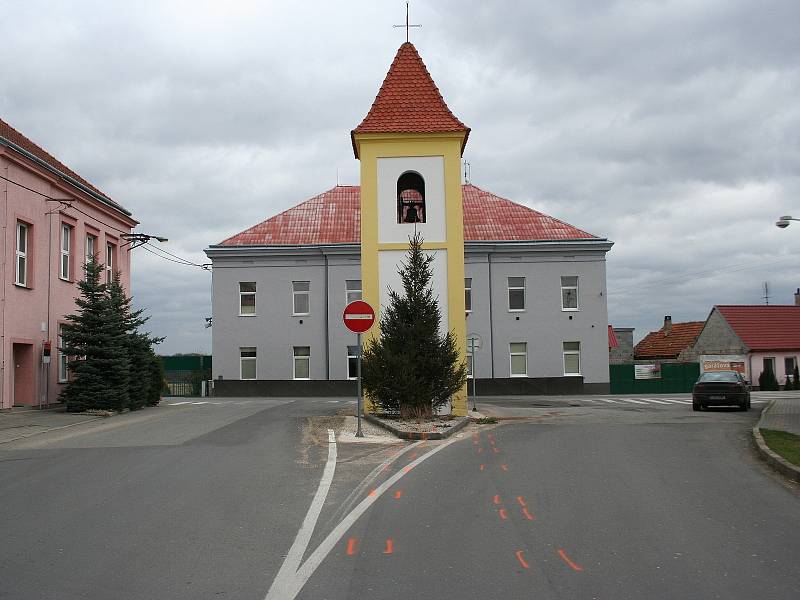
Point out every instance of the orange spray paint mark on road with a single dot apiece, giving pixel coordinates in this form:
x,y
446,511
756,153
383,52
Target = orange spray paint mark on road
x,y
398,494
496,499
412,456
565,558
503,514
521,501
407,469
495,449
351,546
528,515
521,559
372,492
483,467
504,467
389,546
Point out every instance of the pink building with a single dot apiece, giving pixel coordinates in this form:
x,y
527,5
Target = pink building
x,y
52,220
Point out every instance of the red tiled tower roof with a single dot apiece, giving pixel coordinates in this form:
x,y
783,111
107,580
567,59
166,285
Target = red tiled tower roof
x,y
409,102
15,137
661,345
334,217
763,327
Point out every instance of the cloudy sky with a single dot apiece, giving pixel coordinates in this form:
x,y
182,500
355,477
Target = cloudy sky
x,y
669,127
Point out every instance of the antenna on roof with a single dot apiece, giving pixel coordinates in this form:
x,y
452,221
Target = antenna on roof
x,y
407,26
766,293
467,171
337,176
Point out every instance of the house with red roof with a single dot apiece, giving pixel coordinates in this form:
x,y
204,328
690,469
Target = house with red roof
x,y
751,339
671,343
53,221
534,287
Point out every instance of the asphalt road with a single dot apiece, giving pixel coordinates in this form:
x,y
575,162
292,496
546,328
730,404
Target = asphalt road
x,y
569,499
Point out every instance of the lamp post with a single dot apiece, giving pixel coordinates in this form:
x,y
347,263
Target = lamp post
x,y
783,222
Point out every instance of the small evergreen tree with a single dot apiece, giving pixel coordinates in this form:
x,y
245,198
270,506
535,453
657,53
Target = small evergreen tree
x,y
768,382
87,344
156,382
796,378
411,369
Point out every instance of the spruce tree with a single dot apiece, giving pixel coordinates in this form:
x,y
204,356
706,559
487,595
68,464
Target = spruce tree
x,y
87,344
411,369
796,378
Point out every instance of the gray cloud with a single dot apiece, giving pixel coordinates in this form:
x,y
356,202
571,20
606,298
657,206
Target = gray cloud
x,y
671,128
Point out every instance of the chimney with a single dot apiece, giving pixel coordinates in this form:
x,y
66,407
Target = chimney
x,y
668,325
797,297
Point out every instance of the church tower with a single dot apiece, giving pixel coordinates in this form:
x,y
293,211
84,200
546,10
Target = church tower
x,y
410,146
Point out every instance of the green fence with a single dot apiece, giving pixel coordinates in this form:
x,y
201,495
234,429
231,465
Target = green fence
x,y
675,378
184,374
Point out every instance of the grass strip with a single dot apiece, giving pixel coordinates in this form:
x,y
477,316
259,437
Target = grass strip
x,y
784,444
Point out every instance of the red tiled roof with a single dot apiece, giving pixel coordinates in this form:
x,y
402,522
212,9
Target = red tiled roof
x,y
15,137
763,327
612,338
334,217
409,101
657,344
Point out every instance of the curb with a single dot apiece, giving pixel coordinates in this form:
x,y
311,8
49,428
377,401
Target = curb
x,y
780,464
419,435
35,433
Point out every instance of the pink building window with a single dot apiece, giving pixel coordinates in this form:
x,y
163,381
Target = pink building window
x,y
111,255
21,264
65,264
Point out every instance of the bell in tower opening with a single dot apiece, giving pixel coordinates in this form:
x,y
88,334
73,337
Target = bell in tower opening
x,y
410,198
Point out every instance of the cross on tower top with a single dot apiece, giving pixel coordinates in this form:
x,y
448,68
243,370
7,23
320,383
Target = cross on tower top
x,y
407,25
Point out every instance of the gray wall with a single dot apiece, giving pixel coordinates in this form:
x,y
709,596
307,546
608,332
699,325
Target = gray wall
x,y
543,325
717,337
623,353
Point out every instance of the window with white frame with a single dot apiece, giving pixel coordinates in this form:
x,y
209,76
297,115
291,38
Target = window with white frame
x,y
302,362
301,303
62,358
468,294
111,251
247,298
516,293
519,359
91,247
66,248
247,363
572,358
788,365
352,362
21,265
569,292
353,287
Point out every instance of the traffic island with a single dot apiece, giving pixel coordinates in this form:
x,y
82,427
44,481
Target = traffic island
x,y
436,429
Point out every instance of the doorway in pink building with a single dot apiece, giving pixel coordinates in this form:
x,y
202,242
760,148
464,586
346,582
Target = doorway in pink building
x,y
23,375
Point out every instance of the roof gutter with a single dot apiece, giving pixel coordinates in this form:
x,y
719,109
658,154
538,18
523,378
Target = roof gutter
x,y
71,180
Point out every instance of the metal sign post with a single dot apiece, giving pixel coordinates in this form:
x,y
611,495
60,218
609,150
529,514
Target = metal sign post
x,y
474,343
358,317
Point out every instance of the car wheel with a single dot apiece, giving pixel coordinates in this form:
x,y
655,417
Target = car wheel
x,y
696,406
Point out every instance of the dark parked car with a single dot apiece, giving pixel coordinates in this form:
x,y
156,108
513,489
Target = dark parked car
x,y
721,388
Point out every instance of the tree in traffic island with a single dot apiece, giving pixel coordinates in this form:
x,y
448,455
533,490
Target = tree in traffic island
x,y
411,369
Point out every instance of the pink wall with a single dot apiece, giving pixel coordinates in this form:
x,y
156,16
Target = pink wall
x,y
32,312
756,363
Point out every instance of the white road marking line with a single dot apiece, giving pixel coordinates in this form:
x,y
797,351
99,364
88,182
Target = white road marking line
x,y
654,400
333,401
177,403
609,400
633,400
678,401
288,590
284,580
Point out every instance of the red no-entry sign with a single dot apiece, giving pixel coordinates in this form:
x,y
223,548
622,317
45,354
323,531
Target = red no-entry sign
x,y
358,316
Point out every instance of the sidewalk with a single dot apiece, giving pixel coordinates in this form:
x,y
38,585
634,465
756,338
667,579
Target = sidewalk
x,y
19,423
783,414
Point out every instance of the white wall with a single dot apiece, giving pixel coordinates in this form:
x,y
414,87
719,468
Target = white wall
x,y
432,170
389,263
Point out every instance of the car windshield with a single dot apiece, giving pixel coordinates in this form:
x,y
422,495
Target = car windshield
x,y
728,376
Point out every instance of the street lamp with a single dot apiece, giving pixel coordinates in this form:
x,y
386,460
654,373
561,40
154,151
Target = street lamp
x,y
783,222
